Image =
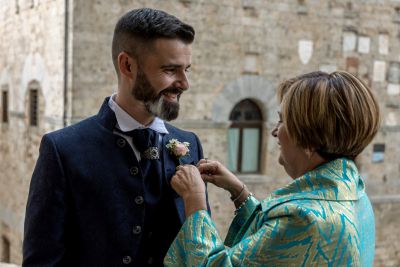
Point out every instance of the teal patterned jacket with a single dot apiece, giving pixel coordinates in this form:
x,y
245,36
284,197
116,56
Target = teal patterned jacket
x,y
323,218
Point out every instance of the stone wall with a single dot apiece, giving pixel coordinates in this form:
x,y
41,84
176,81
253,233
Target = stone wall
x,y
243,49
387,214
31,52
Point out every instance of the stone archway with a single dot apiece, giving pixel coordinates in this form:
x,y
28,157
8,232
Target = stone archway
x,y
260,90
263,93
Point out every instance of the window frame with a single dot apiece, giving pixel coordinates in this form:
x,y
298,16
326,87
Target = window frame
x,y
247,124
378,153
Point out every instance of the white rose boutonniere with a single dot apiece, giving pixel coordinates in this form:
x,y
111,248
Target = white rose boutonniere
x,y
178,149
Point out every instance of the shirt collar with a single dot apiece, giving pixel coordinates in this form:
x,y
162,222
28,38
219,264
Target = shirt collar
x,y
126,123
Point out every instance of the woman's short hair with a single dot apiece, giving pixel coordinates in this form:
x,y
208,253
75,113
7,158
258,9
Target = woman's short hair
x,y
334,114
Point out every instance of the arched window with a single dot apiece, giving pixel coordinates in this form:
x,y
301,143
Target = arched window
x,y
244,138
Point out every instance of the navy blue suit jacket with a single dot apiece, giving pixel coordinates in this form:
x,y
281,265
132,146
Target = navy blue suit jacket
x,y
81,206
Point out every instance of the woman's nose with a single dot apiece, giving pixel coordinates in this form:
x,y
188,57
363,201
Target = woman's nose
x,y
274,131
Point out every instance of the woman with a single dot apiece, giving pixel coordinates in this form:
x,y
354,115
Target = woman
x,y
323,217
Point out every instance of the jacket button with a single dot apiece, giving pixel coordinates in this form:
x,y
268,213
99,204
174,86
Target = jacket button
x,y
121,142
127,259
134,170
137,229
139,200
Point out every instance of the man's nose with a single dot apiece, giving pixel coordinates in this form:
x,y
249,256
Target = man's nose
x,y
182,81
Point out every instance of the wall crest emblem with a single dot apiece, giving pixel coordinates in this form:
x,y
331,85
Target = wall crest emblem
x,y
305,51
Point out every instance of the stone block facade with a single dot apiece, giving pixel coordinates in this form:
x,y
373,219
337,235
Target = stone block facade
x,y
243,50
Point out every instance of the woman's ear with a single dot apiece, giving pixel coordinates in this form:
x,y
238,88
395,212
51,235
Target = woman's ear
x,y
126,65
309,152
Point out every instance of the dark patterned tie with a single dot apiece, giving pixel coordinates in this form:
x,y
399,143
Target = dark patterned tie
x,y
145,140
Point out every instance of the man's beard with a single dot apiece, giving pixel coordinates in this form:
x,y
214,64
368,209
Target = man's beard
x,y
155,103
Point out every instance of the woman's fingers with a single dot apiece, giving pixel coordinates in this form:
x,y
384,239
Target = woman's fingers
x,y
204,161
208,178
210,168
187,172
201,161
180,167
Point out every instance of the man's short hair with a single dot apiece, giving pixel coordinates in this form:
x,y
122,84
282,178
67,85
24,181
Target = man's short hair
x,y
334,114
139,27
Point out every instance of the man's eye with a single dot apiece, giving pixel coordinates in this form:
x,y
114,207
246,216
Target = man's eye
x,y
187,70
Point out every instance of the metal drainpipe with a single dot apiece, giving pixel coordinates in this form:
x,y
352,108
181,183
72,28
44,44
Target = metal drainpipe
x,y
66,39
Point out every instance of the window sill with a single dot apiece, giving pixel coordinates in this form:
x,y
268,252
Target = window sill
x,y
253,178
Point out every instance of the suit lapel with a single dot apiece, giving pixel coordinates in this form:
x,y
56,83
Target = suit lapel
x,y
169,165
169,162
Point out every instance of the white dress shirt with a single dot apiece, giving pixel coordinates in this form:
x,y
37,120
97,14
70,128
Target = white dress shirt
x,y
126,123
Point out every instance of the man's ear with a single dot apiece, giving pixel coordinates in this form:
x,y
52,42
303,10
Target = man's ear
x,y
127,65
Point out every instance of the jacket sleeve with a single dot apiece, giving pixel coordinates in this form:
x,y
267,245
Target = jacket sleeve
x,y
199,244
288,235
46,211
284,239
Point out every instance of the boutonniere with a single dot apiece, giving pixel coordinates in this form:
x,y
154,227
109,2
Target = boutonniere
x,y
178,149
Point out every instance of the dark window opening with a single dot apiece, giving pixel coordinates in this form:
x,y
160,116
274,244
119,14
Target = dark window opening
x,y
4,105
33,107
245,138
378,153
5,254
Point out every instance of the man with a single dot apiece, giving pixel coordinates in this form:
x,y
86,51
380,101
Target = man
x,y
100,194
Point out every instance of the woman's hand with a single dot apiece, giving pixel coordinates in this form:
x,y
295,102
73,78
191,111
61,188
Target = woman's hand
x,y
188,184
214,172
